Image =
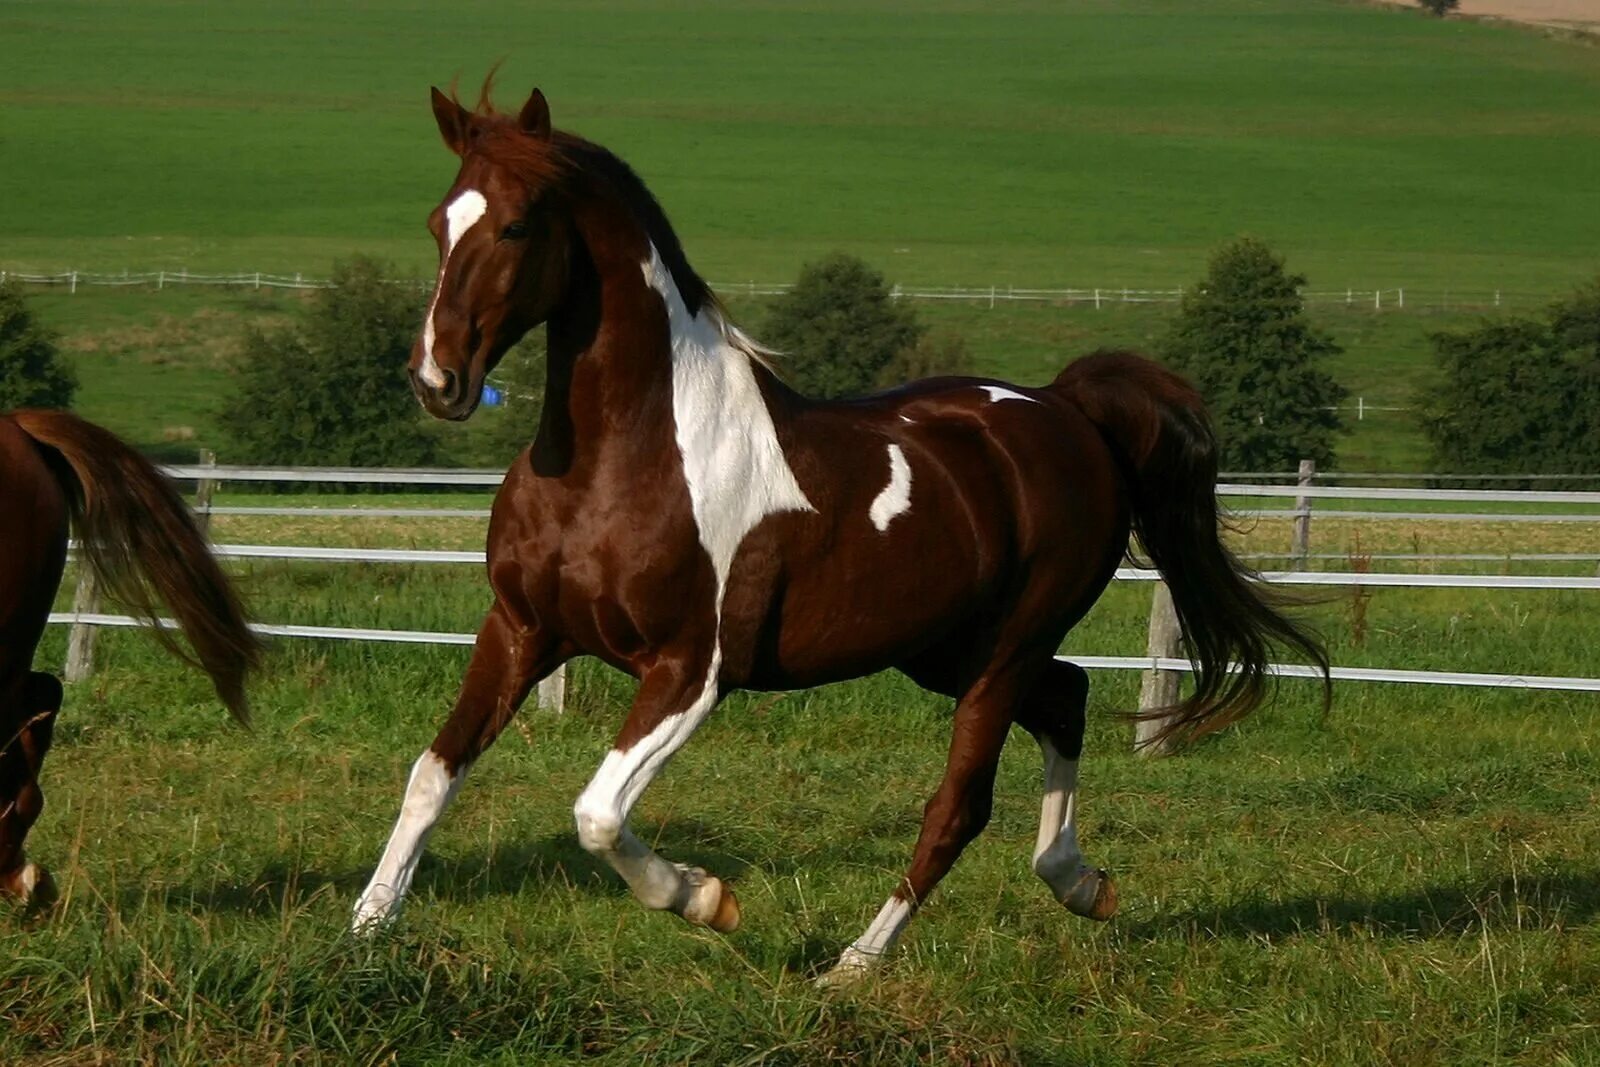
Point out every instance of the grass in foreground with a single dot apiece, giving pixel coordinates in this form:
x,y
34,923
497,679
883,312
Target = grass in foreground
x,y
1410,880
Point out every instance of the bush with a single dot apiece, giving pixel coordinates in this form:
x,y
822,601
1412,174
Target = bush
x,y
937,354
32,373
1243,338
1520,395
839,327
1438,8
333,392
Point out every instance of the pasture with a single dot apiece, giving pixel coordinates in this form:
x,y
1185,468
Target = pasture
x,y
1410,879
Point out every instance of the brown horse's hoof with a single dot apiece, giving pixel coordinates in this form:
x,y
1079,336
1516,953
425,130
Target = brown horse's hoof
x,y
1094,897
31,887
711,902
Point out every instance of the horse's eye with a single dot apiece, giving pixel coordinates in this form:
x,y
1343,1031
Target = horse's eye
x,y
514,231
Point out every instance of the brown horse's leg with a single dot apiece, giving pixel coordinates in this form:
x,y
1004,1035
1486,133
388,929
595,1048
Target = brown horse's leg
x,y
24,739
507,661
1053,712
955,815
672,701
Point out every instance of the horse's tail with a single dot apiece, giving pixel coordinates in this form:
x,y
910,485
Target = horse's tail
x,y
1156,424
138,537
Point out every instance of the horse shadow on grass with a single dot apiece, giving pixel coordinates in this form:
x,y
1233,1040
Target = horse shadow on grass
x,y
554,860
1441,909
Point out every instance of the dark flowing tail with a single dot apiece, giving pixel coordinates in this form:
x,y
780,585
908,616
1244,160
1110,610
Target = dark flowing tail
x,y
1157,425
138,537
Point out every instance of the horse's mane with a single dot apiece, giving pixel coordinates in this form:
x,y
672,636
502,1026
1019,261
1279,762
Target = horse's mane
x,y
566,158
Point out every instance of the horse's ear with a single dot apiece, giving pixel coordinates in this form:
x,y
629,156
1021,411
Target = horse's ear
x,y
454,121
535,115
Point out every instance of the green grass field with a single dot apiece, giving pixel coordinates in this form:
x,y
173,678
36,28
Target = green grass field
x,y
1097,142
1409,880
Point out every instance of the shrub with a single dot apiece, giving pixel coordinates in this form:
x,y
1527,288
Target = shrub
x,y
495,435
333,391
1519,395
32,372
1438,8
1243,338
936,354
839,327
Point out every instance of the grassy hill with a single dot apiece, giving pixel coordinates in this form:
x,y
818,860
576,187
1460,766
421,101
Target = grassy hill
x,y
1098,142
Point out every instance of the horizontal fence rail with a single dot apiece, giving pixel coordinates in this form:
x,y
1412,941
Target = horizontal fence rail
x,y
1390,297
1142,663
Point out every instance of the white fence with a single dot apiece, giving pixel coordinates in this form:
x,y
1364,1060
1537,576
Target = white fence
x,y
1161,663
1099,296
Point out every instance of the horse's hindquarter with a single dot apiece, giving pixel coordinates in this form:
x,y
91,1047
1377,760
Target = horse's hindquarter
x,y
33,529
943,508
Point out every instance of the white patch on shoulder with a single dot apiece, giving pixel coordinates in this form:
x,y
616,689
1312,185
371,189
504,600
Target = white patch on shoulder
x,y
462,214
896,496
998,393
732,460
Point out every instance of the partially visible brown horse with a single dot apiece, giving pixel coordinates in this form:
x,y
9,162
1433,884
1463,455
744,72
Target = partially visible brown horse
x,y
687,518
135,532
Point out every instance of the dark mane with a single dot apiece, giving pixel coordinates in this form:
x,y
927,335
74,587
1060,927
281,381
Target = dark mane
x,y
566,159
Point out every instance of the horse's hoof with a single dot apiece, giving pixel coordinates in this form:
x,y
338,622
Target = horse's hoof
x,y
852,969
1094,897
31,887
712,904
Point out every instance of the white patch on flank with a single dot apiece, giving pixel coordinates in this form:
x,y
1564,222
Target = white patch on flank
x,y
868,949
737,476
896,496
462,214
428,792
998,393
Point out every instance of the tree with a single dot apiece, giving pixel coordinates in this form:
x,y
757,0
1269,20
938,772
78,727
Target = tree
x,y
32,372
333,391
936,354
496,434
1243,338
1438,8
839,327
1519,395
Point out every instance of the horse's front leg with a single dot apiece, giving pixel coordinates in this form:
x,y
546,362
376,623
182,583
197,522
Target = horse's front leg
x,y
26,727
510,657
674,698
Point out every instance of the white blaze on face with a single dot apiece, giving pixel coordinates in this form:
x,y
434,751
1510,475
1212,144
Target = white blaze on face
x,y
896,496
462,214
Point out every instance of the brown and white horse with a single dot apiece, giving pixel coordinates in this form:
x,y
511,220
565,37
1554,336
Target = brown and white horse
x,y
687,518
135,532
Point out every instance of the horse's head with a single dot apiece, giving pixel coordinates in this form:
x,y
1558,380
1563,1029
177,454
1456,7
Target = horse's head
x,y
503,251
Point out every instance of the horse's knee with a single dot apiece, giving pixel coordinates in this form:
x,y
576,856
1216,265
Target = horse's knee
x,y
599,828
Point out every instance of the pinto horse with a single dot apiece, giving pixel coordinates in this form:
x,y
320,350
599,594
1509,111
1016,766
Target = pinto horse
x,y
687,518
136,534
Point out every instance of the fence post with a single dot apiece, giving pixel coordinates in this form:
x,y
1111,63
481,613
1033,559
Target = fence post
x,y
1377,299
1097,298
1401,294
1300,550
74,283
553,691
204,490
1159,688
81,639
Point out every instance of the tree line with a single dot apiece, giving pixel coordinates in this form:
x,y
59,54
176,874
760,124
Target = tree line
x,y
1512,394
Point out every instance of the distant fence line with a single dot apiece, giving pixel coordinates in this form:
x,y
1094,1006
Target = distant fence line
x,y
1394,297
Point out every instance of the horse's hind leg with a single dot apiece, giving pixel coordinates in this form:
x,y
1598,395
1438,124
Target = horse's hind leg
x,y
1053,712
957,813
26,728
507,661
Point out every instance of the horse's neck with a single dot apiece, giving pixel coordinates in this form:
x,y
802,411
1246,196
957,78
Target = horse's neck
x,y
621,377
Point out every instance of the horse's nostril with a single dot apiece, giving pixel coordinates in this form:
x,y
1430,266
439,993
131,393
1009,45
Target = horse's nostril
x,y
450,391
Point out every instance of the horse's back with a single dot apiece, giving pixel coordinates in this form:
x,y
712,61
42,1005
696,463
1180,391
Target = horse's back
x,y
33,529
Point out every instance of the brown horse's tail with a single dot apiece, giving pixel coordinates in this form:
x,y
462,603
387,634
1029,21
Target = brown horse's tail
x,y
1157,425
138,537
